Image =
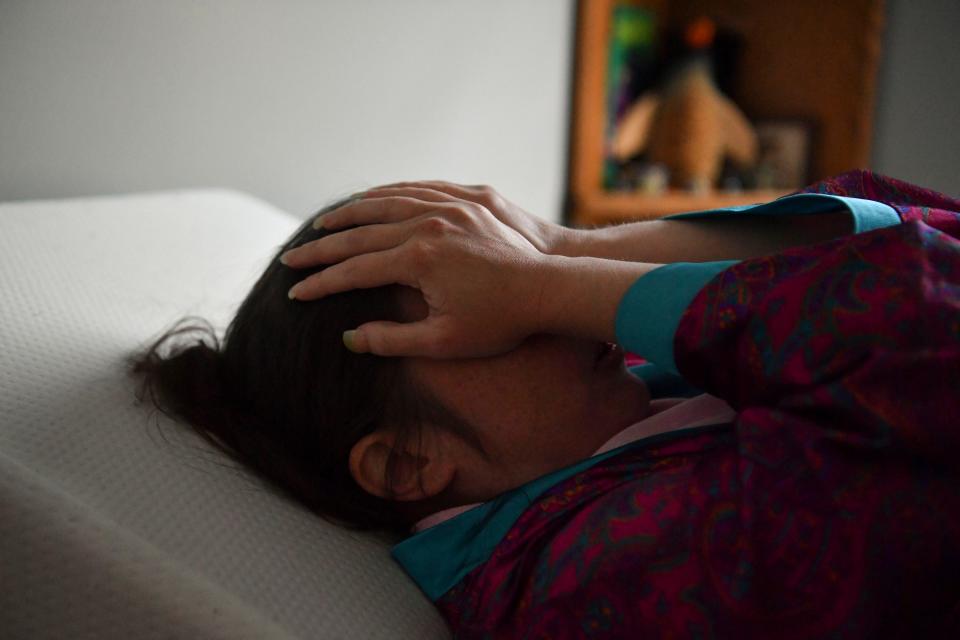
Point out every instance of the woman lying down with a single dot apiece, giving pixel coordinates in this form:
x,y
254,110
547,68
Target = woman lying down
x,y
433,361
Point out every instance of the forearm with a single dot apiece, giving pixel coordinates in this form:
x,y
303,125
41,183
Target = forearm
x,y
729,237
581,294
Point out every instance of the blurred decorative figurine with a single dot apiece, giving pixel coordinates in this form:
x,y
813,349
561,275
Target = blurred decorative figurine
x,y
689,126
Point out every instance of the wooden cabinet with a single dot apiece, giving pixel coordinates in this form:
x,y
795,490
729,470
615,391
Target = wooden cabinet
x,y
814,60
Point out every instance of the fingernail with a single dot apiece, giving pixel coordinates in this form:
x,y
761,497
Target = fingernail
x,y
318,223
349,340
292,294
283,258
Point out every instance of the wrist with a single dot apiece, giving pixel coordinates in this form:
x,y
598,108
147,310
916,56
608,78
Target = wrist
x,y
566,241
579,296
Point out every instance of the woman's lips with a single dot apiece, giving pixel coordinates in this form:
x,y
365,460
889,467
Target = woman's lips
x,y
608,353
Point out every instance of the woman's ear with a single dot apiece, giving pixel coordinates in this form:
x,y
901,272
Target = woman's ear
x,y
416,475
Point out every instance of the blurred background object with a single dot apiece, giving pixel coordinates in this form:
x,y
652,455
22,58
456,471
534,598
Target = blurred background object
x,y
709,69
742,101
684,123
301,102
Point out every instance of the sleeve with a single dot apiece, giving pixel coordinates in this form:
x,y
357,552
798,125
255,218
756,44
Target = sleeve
x,y
675,285
861,332
867,214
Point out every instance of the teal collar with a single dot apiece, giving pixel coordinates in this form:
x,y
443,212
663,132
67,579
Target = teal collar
x,y
439,557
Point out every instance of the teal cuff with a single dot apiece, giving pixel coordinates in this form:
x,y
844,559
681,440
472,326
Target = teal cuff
x,y
650,310
867,214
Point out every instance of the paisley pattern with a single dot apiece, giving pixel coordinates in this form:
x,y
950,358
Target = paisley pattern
x,y
830,508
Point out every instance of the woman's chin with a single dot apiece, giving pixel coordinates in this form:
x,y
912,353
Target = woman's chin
x,y
624,393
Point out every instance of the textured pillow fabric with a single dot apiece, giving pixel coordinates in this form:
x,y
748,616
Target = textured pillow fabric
x,y
107,528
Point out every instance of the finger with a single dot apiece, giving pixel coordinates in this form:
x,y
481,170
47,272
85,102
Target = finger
x,y
462,191
438,185
385,338
420,193
360,272
375,210
337,247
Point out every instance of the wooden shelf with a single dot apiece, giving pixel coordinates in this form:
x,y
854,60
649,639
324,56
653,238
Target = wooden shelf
x,y
609,207
814,61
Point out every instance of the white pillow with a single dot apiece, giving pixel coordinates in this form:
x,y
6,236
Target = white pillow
x,y
107,530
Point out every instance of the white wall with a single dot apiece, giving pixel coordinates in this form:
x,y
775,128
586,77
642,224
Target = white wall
x,y
302,101
917,126
297,102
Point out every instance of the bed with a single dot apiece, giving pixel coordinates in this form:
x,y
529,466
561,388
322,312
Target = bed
x,y
118,523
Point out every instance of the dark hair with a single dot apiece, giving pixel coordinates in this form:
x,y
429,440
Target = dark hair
x,y
284,397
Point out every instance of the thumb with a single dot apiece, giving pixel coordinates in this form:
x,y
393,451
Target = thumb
x,y
384,338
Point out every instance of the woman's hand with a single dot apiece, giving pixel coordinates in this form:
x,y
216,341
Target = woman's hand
x,y
545,236
483,282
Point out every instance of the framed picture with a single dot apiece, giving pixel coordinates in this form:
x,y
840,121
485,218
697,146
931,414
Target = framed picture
x,y
783,161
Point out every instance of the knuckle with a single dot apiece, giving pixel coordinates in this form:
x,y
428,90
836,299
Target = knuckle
x,y
405,201
436,226
463,212
393,204
460,212
478,209
355,240
344,272
488,195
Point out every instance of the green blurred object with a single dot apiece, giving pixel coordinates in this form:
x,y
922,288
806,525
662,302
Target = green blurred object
x,y
631,59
